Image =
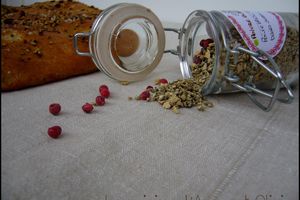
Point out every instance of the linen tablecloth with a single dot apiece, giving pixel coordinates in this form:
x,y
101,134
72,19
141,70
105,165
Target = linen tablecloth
x,y
135,150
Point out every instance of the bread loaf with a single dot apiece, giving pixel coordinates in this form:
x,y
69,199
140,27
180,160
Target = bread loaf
x,y
37,43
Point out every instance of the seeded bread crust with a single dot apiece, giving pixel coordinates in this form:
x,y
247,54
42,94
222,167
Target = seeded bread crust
x,y
37,43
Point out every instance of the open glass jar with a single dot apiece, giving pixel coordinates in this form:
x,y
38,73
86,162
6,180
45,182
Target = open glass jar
x,y
127,42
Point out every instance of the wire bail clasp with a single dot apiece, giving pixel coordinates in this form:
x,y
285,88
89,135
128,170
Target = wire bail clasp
x,y
251,89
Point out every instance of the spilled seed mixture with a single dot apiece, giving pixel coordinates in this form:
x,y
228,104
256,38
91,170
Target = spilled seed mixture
x,y
186,93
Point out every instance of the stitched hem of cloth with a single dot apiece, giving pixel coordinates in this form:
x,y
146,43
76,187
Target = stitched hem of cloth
x,y
239,163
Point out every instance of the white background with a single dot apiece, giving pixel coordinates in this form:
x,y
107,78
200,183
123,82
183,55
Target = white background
x,y
177,11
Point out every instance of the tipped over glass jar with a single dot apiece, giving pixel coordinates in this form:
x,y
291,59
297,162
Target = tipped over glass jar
x,y
227,51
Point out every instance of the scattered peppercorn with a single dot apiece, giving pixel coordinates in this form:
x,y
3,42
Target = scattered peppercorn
x,y
145,95
54,108
161,81
100,101
105,93
54,131
149,87
87,107
103,87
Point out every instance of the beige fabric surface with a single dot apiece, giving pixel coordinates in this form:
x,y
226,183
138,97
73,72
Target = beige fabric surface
x,y
136,150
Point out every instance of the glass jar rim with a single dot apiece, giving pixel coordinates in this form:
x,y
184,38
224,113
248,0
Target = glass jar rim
x,y
100,39
195,18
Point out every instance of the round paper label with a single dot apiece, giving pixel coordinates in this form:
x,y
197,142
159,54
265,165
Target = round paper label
x,y
260,30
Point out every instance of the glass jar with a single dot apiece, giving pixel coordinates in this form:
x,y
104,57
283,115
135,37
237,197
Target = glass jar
x,y
234,66
127,42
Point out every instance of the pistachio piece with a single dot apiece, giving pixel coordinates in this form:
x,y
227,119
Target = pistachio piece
x,y
166,105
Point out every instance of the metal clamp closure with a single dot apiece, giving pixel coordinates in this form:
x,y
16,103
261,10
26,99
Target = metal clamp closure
x,y
251,89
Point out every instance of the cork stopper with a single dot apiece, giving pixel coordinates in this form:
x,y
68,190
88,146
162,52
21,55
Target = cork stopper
x,y
127,43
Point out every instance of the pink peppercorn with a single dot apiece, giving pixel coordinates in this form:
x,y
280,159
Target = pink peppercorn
x,y
145,95
100,101
163,81
149,87
196,60
205,43
105,93
103,87
54,131
87,107
54,108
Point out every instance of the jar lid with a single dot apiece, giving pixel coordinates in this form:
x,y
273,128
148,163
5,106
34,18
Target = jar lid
x,y
126,41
